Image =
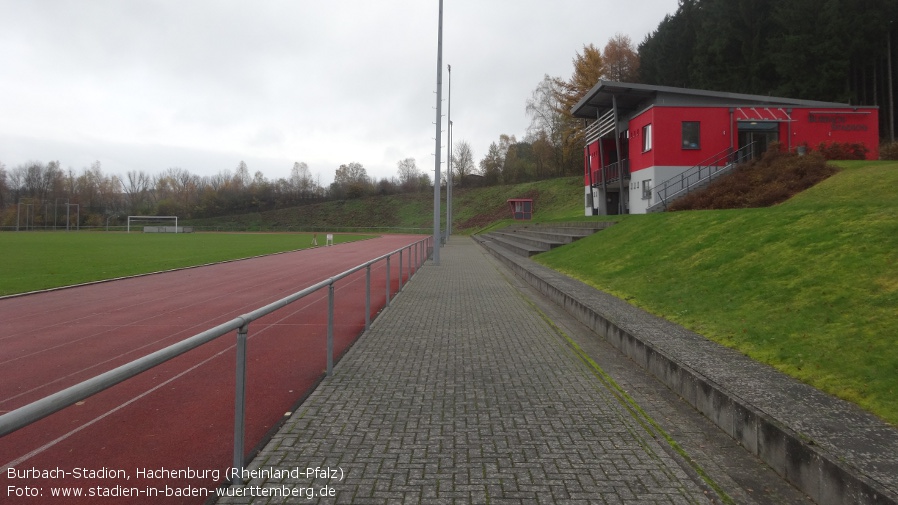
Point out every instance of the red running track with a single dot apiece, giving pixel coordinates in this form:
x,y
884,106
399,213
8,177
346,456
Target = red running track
x,y
180,415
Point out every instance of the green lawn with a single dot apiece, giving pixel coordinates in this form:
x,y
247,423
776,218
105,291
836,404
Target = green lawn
x,y
41,260
809,286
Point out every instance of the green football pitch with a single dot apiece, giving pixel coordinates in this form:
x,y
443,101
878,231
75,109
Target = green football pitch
x,y
42,260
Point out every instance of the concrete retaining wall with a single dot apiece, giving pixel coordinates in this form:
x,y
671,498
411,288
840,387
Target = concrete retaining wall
x,y
827,476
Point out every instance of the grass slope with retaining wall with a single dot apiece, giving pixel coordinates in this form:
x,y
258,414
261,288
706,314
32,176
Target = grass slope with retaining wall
x,y
809,286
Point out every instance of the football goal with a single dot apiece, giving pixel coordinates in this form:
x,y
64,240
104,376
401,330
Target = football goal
x,y
153,224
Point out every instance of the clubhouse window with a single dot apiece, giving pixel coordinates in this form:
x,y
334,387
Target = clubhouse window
x,y
691,135
646,138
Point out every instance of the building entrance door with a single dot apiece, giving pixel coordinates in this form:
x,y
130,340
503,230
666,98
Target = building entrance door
x,y
612,200
760,133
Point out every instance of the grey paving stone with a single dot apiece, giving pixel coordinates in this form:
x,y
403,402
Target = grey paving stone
x,y
461,392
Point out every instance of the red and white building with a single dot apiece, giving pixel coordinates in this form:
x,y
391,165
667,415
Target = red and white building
x,y
646,145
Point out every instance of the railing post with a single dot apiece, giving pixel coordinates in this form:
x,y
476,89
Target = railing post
x,y
367,297
400,271
240,403
330,328
388,281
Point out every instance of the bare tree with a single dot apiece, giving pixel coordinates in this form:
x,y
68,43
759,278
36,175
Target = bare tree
x,y
351,181
544,108
162,188
4,186
187,187
550,110
241,176
301,181
137,189
55,182
462,161
34,178
220,181
409,175
16,182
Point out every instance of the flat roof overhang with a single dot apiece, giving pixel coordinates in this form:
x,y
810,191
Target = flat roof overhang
x,y
632,96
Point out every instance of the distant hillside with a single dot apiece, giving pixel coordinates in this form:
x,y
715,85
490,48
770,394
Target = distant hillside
x,y
474,209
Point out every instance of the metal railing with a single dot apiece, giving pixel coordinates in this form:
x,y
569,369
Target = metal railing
x,y
418,253
611,172
680,185
599,128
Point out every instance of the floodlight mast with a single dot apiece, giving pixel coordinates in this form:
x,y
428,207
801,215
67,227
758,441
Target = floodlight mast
x,y
449,160
436,179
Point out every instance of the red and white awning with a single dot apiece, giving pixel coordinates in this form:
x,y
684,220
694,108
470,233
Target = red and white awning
x,y
761,114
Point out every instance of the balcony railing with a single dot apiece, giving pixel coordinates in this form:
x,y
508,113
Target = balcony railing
x,y
612,172
599,128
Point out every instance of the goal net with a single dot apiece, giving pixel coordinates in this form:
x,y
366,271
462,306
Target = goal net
x,y
155,224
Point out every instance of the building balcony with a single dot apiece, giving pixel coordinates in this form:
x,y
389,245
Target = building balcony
x,y
611,173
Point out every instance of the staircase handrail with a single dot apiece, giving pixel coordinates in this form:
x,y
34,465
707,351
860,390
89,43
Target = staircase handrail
x,y
704,170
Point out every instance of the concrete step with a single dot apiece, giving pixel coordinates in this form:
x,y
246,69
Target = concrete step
x,y
551,235
530,239
536,239
515,246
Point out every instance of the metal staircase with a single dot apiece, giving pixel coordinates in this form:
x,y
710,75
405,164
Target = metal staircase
x,y
698,176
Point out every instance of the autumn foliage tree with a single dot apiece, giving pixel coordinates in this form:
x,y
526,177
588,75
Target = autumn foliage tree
x,y
620,59
553,130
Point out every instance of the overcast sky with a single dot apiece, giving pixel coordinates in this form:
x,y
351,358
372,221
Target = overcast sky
x,y
201,85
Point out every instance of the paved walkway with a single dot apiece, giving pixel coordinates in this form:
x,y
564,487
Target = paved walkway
x,y
462,393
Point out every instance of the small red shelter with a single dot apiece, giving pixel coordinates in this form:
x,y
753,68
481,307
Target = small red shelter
x,y
521,208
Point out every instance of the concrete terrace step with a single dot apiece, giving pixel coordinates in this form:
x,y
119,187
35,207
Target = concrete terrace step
x,y
530,239
553,236
826,447
534,240
516,246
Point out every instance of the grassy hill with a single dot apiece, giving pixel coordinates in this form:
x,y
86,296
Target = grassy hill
x,y
474,208
809,286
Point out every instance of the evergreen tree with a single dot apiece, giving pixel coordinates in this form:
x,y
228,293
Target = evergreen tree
x,y
665,54
731,48
811,51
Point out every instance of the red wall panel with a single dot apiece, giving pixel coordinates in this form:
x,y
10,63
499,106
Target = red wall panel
x,y
814,126
667,143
